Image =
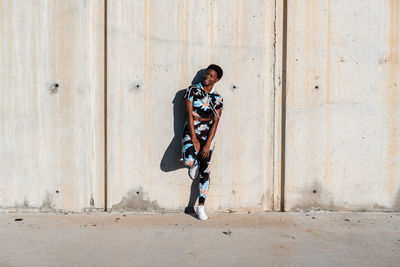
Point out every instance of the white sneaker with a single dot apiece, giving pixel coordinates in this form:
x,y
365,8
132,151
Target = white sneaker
x,y
194,171
201,213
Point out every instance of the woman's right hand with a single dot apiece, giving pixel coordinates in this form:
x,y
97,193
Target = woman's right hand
x,y
190,124
196,144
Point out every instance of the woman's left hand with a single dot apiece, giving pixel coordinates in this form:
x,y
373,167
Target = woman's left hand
x,y
205,152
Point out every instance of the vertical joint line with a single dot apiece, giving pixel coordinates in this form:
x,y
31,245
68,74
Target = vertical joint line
x,y
283,119
105,105
274,71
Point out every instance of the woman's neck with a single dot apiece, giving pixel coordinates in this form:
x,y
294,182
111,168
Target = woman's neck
x,y
207,88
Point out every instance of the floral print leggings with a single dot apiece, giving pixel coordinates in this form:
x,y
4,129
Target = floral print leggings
x,y
193,158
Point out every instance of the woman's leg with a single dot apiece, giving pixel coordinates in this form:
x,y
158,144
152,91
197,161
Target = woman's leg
x,y
204,174
193,158
188,152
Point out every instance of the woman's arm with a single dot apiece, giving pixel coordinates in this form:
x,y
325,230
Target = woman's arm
x,y
190,124
205,152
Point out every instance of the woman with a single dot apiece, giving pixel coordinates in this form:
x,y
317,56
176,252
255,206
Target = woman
x,y
203,110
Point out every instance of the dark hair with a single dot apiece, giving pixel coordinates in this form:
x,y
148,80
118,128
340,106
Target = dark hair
x,y
217,69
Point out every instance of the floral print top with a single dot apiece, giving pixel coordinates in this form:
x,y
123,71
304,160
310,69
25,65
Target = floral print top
x,y
203,103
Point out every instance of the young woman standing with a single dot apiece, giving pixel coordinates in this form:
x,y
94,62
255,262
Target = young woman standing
x,y
203,111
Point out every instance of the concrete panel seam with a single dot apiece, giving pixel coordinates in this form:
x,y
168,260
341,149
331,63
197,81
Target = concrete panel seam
x,y
274,162
279,103
283,114
105,105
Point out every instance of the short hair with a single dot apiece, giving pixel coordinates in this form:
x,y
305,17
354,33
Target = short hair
x,y
217,69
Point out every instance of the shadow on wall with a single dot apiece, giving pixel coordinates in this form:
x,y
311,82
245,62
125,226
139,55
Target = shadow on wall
x,y
199,76
172,158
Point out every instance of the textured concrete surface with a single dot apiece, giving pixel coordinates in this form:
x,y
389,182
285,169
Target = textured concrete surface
x,y
54,93
51,105
156,49
343,105
263,239
66,75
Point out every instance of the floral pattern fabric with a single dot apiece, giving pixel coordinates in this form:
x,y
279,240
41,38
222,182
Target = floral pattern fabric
x,y
204,106
193,158
203,103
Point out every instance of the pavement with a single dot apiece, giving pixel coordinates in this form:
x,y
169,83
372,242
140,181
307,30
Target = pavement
x,y
315,238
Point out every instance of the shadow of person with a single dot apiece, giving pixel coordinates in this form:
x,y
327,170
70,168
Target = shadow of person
x,y
199,76
194,194
172,158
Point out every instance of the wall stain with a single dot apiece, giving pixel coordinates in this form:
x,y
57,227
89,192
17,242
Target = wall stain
x,y
147,83
396,204
46,207
314,197
91,201
135,87
134,201
53,88
391,68
328,101
48,203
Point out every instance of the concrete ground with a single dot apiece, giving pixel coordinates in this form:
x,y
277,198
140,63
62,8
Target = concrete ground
x,y
260,239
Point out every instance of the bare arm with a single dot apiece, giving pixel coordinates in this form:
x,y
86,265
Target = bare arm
x,y
206,149
190,124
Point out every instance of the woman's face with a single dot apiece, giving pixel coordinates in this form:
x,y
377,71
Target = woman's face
x,y
210,77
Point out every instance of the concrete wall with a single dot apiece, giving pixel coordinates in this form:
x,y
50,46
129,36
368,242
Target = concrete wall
x,y
343,105
155,50
339,102
51,138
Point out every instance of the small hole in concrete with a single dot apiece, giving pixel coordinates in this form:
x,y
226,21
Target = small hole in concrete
x,y
234,86
137,86
314,191
138,192
54,88
57,191
316,87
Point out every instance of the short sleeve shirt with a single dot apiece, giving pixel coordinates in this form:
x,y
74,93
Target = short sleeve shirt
x,y
203,102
